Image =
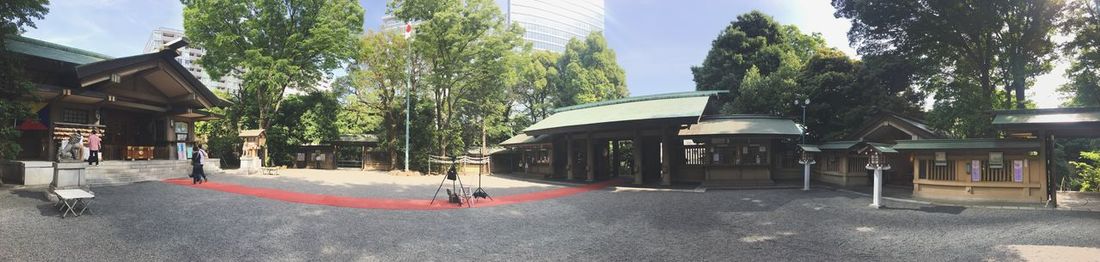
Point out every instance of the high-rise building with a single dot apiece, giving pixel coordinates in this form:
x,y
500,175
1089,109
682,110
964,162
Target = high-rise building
x,y
550,24
188,57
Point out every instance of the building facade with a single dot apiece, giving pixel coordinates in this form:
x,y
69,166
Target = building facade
x,y
188,58
550,24
547,24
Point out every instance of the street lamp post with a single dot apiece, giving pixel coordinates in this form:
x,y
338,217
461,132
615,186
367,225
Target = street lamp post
x,y
803,104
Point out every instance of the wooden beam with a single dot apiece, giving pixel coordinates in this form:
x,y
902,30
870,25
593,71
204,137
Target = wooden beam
x,y
183,98
105,77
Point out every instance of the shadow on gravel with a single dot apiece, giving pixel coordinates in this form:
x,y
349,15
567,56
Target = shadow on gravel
x,y
31,194
953,210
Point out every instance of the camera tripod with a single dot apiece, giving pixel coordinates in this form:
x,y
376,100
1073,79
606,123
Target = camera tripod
x,y
454,195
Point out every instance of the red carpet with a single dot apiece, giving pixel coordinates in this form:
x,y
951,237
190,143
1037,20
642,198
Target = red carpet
x,y
386,203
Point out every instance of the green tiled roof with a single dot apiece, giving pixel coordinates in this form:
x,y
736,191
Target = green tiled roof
x,y
666,106
524,139
972,143
838,145
1047,116
743,125
39,48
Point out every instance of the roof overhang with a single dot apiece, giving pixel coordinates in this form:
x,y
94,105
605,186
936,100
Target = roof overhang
x,y
967,144
160,69
521,139
809,148
627,113
1082,122
743,125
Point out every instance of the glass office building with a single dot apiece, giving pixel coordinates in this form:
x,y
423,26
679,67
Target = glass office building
x,y
549,24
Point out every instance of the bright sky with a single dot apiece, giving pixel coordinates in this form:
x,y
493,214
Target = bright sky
x,y
656,41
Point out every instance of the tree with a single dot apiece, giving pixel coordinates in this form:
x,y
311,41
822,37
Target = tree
x,y
303,119
844,92
273,45
16,89
1004,43
463,45
222,135
380,85
536,83
753,40
1083,23
589,72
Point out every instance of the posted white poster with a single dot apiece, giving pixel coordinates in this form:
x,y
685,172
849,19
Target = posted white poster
x,y
181,151
1018,170
976,170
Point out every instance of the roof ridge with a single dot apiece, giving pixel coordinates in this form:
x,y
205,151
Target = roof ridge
x,y
640,99
58,46
1048,110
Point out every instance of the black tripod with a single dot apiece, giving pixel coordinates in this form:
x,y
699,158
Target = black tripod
x,y
456,185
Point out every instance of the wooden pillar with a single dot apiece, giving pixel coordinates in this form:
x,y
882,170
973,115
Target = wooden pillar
x,y
666,157
523,160
550,159
570,157
590,157
615,157
636,146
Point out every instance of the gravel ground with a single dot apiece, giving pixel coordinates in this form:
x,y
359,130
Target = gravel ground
x,y
375,184
155,221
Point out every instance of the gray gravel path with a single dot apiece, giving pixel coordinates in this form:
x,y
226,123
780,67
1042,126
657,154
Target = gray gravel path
x,y
155,221
418,188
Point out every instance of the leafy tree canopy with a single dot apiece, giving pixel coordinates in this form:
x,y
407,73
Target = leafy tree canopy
x,y
995,43
15,15
753,40
589,72
273,44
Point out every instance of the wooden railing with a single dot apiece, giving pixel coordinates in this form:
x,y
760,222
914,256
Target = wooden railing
x,y
1003,174
857,164
695,155
928,170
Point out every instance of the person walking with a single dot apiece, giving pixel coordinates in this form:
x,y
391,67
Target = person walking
x,y
94,143
196,166
202,159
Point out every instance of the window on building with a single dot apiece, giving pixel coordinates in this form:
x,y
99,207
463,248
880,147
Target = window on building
x,y
77,116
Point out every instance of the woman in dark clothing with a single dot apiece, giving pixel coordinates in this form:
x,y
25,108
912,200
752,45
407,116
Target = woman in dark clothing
x,y
196,163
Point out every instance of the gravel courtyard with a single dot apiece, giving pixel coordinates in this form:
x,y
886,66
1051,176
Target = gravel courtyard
x,y
157,221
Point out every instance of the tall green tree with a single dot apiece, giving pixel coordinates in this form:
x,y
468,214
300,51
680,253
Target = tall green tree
x,y
996,43
536,84
753,40
15,15
222,135
1083,23
380,86
589,72
463,45
844,92
273,45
